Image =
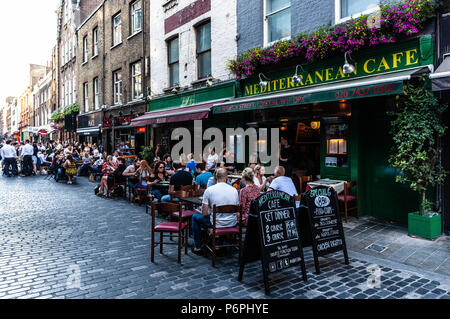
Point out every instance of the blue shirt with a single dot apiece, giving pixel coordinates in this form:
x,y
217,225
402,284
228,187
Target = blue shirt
x,y
203,179
191,166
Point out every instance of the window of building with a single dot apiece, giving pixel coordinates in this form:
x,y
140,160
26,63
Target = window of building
x,y
70,93
95,42
136,74
277,20
204,50
86,97
74,88
85,49
96,94
117,29
347,9
136,17
117,76
174,65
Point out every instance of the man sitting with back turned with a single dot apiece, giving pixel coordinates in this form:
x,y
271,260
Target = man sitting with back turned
x,y
281,182
220,194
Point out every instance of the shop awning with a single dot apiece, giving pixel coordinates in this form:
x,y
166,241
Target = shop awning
x,y
370,86
179,114
88,131
441,78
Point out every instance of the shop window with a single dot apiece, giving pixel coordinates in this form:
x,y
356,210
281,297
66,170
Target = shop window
x,y
204,50
277,20
337,145
347,9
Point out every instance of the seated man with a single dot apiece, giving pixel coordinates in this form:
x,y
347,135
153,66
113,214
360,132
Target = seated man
x,y
220,194
86,167
180,178
281,182
203,178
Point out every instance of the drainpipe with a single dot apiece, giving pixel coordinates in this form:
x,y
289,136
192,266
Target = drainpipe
x,y
144,69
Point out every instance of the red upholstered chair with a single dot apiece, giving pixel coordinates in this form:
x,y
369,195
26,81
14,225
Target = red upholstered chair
x,y
219,232
188,212
177,229
347,199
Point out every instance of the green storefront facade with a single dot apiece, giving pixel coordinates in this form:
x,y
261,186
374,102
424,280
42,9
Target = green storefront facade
x,y
352,141
338,124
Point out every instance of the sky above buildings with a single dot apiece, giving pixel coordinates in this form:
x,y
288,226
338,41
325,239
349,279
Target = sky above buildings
x,y
28,33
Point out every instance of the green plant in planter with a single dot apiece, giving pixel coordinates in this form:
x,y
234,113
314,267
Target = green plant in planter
x,y
148,154
416,126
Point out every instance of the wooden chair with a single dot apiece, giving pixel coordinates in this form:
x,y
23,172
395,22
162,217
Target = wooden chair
x,y
303,181
346,198
43,167
141,192
188,212
177,229
222,232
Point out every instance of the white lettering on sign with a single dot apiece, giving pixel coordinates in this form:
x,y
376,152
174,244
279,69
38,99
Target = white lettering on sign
x,y
322,201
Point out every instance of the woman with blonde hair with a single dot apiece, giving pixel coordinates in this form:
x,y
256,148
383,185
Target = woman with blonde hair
x,y
248,193
260,178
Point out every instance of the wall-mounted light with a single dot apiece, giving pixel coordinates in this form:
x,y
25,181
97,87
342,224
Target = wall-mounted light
x,y
284,120
348,68
263,83
296,79
315,125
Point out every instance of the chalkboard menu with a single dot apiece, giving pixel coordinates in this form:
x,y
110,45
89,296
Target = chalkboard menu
x,y
326,224
272,236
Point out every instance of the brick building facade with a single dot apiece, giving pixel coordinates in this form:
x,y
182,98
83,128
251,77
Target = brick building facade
x,y
113,71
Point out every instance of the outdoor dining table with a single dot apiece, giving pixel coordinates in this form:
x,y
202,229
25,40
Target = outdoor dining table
x,y
337,185
196,201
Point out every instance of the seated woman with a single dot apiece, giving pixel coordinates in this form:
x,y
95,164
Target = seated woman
x,y
159,175
59,168
116,177
130,174
260,178
71,169
143,174
248,193
108,169
85,168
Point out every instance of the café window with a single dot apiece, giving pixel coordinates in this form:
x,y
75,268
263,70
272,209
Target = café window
x,y
174,66
347,9
136,17
204,50
277,20
117,30
136,73
337,145
117,76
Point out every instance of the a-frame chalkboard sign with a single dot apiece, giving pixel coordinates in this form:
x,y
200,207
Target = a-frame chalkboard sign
x,y
272,236
326,223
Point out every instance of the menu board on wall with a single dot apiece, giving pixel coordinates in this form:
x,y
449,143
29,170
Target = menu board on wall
x,y
326,223
272,236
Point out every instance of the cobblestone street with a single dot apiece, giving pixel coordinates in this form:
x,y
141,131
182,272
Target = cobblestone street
x,y
50,230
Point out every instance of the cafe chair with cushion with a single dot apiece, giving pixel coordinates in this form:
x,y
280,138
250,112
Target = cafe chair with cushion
x,y
176,229
186,213
347,199
211,242
141,193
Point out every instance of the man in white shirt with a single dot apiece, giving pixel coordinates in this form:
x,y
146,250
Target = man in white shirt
x,y
220,194
27,158
9,154
283,183
212,161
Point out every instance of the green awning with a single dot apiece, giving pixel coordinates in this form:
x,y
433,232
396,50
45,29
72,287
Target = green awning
x,y
370,86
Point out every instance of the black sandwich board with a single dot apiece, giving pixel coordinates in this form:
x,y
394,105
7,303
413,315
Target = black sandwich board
x,y
326,223
272,236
